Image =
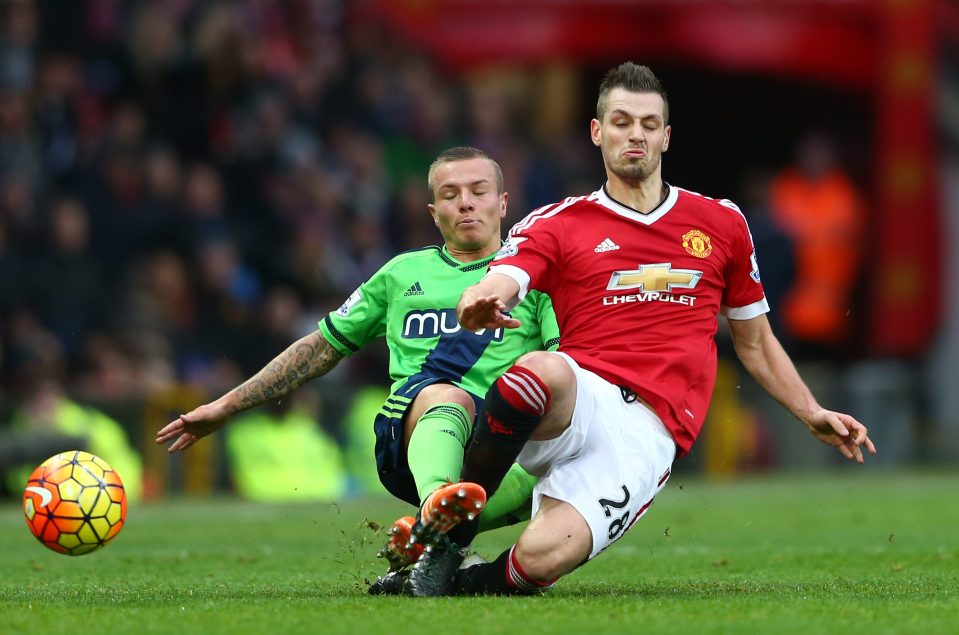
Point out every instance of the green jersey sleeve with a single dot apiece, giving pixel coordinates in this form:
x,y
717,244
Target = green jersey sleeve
x,y
362,317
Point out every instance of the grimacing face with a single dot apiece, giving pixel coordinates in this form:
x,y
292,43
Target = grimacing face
x,y
467,206
632,135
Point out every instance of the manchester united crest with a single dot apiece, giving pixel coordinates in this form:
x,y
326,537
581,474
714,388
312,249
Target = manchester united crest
x,y
697,243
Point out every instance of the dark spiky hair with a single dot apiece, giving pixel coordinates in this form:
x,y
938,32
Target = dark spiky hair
x,y
634,78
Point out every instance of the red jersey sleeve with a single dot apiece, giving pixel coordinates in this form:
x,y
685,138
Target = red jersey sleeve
x,y
530,252
743,297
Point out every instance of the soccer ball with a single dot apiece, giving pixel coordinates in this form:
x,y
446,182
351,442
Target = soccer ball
x,y
74,503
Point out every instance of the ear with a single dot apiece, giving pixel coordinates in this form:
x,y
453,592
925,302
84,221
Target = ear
x,y
668,131
503,204
595,132
432,209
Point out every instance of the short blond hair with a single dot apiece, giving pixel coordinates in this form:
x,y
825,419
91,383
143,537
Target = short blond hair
x,y
463,153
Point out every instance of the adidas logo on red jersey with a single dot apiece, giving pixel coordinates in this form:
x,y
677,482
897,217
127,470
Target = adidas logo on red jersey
x,y
606,245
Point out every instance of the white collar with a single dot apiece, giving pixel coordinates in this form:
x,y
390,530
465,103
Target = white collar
x,y
604,199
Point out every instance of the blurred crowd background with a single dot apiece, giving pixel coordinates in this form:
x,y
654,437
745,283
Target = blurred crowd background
x,y
188,186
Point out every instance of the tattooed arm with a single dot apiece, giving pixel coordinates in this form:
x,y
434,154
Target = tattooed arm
x,y
308,357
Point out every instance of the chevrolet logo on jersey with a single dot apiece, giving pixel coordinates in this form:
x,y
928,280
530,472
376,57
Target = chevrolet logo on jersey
x,y
659,277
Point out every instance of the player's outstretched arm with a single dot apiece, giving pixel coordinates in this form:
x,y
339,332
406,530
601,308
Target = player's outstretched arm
x,y
764,358
308,357
483,305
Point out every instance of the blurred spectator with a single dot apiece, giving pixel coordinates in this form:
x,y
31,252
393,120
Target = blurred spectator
x,y
820,208
170,78
410,227
425,125
229,293
124,366
775,248
283,319
360,442
307,264
17,38
204,200
161,294
738,434
19,142
65,287
162,200
18,209
58,88
358,253
280,453
44,409
280,319
121,223
11,268
369,183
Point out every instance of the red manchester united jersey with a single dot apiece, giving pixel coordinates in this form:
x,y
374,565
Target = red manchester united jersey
x,y
637,295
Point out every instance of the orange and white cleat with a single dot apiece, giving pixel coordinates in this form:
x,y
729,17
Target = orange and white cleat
x,y
399,550
445,508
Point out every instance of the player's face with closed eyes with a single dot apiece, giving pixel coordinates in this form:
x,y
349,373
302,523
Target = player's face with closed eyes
x,y
632,134
467,204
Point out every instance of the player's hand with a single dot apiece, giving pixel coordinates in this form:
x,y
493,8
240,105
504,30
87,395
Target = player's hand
x,y
484,312
189,428
841,431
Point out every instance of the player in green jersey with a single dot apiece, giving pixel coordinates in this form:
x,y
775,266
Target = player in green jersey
x,y
433,362
439,371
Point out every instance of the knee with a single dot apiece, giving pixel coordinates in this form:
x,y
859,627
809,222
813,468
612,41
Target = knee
x,y
551,368
455,394
446,393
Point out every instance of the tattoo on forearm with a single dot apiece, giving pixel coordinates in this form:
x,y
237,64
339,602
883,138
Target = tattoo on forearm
x,y
309,357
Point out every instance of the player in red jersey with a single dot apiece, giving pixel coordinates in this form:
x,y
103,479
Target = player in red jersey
x,y
639,272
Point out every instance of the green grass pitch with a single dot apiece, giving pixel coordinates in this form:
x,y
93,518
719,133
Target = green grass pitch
x,y
850,551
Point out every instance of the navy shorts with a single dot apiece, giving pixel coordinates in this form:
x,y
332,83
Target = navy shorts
x,y
388,426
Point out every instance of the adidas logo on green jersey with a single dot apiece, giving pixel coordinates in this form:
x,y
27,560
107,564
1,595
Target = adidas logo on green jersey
x,y
415,289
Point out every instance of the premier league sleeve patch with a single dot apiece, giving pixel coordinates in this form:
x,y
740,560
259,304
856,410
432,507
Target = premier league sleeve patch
x,y
509,248
351,301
